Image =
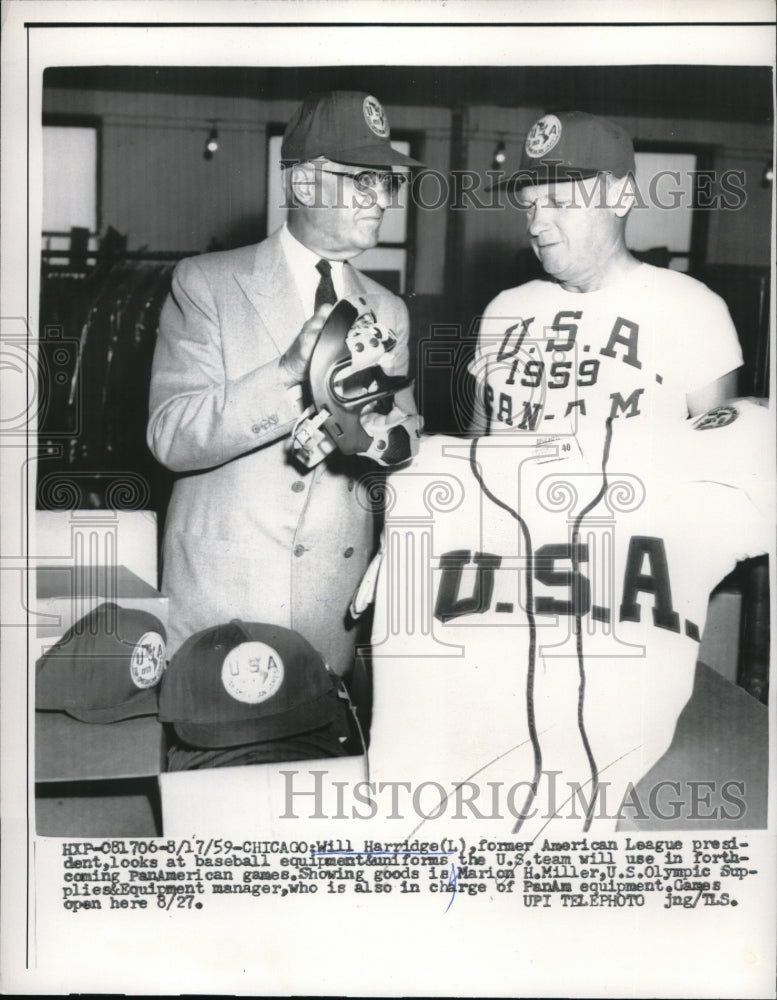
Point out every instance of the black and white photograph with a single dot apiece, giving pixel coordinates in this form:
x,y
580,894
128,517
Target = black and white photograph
x,y
388,493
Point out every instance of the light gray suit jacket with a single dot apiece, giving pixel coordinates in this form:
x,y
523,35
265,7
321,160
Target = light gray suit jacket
x,y
248,535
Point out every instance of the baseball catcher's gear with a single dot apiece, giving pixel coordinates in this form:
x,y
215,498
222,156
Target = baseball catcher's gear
x,y
353,394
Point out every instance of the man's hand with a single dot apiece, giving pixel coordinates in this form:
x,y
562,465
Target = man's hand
x,y
294,363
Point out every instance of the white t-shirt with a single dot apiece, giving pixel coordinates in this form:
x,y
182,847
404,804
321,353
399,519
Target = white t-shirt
x,y
558,362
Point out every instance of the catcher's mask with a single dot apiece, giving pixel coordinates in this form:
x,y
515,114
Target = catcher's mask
x,y
353,393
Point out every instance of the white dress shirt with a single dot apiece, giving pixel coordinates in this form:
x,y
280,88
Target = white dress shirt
x,y
302,264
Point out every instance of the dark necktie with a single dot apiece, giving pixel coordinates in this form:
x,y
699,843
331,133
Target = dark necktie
x,y
325,293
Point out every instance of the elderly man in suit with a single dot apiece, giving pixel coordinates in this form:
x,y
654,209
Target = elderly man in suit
x,y
250,534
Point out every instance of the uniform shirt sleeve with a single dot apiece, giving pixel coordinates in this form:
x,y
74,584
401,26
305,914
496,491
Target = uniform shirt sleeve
x,y
710,340
490,330
198,417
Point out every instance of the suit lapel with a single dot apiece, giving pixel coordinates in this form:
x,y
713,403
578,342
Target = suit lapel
x,y
271,291
355,291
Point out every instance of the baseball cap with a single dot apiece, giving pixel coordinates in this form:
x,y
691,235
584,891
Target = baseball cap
x,y
569,145
105,668
348,126
246,682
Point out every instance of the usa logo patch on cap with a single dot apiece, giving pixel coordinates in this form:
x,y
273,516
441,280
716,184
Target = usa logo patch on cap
x,y
543,136
252,672
375,117
147,662
719,416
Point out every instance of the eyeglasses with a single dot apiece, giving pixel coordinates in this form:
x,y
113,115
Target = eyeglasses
x,y
368,180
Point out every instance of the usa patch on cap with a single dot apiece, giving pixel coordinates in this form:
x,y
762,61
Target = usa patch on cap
x,y
543,136
252,672
375,117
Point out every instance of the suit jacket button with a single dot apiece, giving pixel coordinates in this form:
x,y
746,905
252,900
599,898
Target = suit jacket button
x,y
298,486
299,550
256,429
348,552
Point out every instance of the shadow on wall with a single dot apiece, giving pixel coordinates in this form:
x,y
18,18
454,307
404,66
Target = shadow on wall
x,y
241,233
490,271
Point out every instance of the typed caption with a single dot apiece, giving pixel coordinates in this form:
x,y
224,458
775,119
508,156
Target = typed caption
x,y
586,872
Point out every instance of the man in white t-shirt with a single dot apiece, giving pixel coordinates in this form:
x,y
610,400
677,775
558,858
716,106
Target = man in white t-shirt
x,y
544,587
603,334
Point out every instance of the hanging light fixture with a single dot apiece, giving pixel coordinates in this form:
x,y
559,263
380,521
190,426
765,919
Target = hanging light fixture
x,y
500,155
212,143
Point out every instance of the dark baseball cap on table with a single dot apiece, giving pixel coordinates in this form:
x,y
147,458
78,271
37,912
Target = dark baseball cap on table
x,y
570,145
105,668
347,126
246,682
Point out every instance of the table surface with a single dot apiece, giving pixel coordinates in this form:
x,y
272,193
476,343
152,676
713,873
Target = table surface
x,y
69,750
